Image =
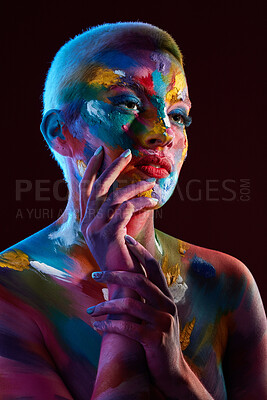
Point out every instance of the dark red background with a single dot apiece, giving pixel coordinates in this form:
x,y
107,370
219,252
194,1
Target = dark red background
x,y
223,46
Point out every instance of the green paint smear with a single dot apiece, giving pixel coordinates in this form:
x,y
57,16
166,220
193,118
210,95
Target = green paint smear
x,y
36,289
213,298
80,90
78,336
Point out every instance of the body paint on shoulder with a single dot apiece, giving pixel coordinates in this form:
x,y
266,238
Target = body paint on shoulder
x,y
15,259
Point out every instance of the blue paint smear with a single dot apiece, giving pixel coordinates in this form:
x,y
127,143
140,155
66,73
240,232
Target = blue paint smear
x,y
159,104
116,59
45,253
78,337
202,267
159,84
212,299
107,126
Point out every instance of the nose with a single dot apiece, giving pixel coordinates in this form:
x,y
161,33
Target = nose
x,y
159,136
156,130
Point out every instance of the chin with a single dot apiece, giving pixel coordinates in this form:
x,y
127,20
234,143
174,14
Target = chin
x,y
164,188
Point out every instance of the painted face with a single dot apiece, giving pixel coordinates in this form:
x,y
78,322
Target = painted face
x,y
138,101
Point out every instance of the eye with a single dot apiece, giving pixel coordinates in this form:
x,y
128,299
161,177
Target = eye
x,y
180,118
126,102
130,105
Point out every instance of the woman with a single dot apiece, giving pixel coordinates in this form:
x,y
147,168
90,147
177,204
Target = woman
x,y
165,319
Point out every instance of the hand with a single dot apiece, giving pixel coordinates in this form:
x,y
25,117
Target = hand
x,y
104,217
159,331
103,224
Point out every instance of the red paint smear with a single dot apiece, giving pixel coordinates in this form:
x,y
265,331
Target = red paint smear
x,y
147,82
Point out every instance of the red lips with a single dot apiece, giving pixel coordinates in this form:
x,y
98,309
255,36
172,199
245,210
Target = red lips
x,y
144,164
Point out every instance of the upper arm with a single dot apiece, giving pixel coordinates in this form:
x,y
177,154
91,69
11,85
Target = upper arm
x,y
245,365
26,368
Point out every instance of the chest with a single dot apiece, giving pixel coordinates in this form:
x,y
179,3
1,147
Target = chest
x,y
75,345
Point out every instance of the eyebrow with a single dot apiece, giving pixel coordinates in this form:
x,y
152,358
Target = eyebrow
x,y
138,88
186,102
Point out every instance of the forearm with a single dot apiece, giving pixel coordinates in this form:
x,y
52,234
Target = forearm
x,y
122,368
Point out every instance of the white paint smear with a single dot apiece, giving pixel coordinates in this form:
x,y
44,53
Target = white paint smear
x,y
46,269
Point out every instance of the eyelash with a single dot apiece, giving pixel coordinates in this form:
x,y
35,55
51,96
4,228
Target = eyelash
x,y
187,120
124,99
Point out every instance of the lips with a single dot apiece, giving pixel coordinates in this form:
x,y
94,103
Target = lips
x,y
154,166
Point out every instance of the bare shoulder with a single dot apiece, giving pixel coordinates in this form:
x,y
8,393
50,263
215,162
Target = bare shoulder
x,y
223,263
201,257
29,270
36,252
235,280
219,277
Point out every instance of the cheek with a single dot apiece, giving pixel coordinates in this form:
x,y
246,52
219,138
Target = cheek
x,y
181,147
185,144
165,187
106,124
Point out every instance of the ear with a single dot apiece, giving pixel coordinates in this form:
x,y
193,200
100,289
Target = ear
x,y
54,131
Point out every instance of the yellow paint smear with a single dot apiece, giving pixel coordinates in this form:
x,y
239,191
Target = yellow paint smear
x,y
15,259
171,273
182,247
159,127
147,193
136,178
186,146
105,77
221,338
186,334
176,92
81,167
207,338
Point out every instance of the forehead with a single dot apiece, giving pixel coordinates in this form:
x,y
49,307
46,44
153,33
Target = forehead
x,y
157,72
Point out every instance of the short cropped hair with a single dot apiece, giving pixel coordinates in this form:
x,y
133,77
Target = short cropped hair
x,y
74,62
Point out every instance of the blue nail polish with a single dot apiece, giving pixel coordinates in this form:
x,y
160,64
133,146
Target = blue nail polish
x,y
130,240
90,310
126,153
97,275
98,151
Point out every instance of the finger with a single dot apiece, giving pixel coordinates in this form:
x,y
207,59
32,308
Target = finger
x,y
115,217
152,267
125,211
111,173
101,186
141,285
89,178
131,307
107,209
129,329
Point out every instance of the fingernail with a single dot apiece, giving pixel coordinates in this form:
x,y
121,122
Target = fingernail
x,y
126,153
130,240
98,151
90,310
97,275
152,200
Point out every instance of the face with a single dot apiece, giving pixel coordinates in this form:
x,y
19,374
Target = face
x,y
138,101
